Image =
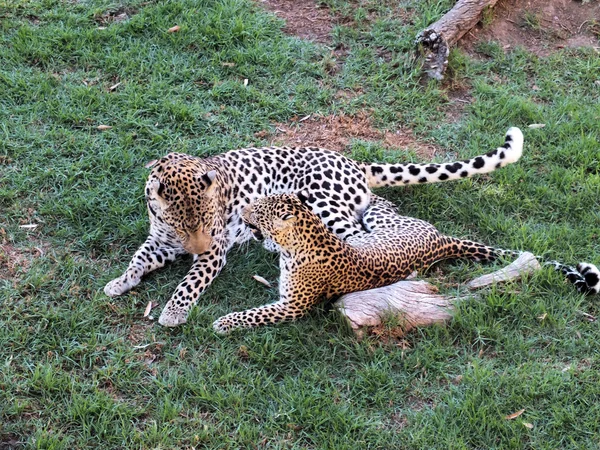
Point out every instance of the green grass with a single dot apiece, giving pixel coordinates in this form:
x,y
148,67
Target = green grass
x,y
72,372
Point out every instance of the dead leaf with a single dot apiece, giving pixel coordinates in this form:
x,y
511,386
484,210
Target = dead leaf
x,y
228,64
104,127
261,280
114,86
543,316
587,316
528,425
101,28
138,347
245,82
537,125
29,226
148,309
243,352
174,29
150,163
515,415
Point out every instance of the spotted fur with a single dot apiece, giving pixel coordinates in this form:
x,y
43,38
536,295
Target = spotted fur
x,y
585,277
195,204
316,264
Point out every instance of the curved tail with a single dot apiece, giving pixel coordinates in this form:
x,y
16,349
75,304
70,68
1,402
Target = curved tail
x,y
379,175
585,277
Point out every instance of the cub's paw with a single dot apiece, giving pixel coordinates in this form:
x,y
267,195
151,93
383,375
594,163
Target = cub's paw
x,y
591,274
118,286
224,325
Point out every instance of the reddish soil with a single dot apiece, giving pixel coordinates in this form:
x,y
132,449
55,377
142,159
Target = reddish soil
x,y
336,132
541,26
307,20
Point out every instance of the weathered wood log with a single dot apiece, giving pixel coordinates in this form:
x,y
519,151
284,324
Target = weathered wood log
x,y
434,42
525,263
417,303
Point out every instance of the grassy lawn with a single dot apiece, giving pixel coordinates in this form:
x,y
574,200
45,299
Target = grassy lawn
x,y
80,370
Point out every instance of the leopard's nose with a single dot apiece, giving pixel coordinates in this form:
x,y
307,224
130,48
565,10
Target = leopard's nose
x,y
257,234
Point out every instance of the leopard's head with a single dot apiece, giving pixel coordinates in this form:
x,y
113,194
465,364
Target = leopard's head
x,y
284,218
188,199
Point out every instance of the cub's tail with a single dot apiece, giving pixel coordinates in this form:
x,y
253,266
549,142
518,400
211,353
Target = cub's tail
x,y
379,175
585,277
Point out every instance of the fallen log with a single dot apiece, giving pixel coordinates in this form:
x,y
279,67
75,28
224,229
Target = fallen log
x,y
418,303
434,42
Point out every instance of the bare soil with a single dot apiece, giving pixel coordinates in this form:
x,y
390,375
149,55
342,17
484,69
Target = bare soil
x,y
15,261
540,26
335,132
307,20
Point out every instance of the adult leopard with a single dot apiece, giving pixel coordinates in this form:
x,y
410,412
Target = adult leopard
x,y
315,264
195,204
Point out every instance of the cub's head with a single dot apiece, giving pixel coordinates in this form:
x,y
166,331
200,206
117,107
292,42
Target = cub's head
x,y
284,218
187,197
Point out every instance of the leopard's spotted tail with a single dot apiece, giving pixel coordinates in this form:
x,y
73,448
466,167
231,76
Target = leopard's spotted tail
x,y
585,277
379,175
461,248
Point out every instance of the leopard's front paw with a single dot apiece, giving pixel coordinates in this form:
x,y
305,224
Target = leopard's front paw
x,y
172,317
591,274
225,324
270,246
119,286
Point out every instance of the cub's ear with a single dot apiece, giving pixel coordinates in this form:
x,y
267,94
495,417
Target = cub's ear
x,y
151,164
156,189
208,179
304,196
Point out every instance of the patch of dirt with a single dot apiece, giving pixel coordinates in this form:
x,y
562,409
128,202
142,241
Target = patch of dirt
x,y
541,26
138,332
114,16
335,132
459,97
10,441
307,20
15,261
398,421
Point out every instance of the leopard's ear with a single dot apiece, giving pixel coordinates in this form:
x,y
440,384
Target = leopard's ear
x,y
156,189
303,196
208,179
